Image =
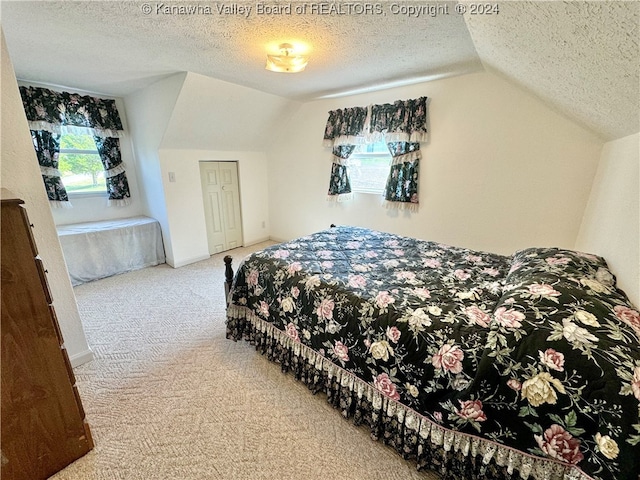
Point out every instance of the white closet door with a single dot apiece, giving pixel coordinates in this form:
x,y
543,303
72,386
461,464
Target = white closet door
x,y
221,197
231,204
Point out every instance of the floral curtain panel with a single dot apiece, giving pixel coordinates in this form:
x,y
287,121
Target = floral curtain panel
x,y
47,147
115,176
402,124
401,190
56,113
339,184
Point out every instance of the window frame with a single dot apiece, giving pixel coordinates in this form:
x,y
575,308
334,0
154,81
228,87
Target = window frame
x,y
77,151
366,156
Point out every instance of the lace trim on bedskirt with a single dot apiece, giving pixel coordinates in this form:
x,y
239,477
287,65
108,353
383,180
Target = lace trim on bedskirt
x,y
453,455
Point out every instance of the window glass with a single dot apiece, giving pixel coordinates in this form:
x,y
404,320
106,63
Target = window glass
x,y
80,165
369,168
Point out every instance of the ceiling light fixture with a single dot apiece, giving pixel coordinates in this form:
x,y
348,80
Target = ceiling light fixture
x,y
287,61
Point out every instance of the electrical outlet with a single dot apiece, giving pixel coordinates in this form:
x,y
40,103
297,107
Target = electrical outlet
x,y
264,224
172,176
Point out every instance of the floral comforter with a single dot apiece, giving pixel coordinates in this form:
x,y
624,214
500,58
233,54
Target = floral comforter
x,y
475,365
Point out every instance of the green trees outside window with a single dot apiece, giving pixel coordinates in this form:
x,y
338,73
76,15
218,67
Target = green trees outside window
x,y
80,165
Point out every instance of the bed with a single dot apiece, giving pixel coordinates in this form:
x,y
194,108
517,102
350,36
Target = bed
x,y
473,365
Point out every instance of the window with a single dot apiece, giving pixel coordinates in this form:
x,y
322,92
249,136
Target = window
x,y
369,168
80,165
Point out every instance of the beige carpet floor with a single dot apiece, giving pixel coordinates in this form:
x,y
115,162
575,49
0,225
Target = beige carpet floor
x,y
169,397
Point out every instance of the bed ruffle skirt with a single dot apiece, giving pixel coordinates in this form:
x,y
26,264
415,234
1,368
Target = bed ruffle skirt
x,y
453,455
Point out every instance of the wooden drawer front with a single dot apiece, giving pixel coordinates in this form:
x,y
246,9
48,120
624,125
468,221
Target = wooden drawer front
x,y
28,232
42,273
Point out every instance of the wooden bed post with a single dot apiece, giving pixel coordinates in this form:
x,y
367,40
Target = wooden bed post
x,y
228,276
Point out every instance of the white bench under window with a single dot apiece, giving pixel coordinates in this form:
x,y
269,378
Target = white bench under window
x,y
97,250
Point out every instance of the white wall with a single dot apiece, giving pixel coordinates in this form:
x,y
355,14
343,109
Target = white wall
x,y
501,170
20,174
185,207
611,223
205,119
149,111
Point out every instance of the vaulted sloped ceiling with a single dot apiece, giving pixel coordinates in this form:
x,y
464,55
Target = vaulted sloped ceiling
x,y
200,119
582,58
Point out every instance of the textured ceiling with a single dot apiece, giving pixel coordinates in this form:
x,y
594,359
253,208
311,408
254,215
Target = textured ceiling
x,y
580,57
114,47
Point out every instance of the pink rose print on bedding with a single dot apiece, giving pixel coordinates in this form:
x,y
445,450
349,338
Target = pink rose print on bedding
x,y
393,334
294,267
552,359
477,316
431,263
628,316
514,384
292,332
264,309
383,299
449,358
543,290
635,383
325,309
341,351
494,272
282,254
471,410
252,278
357,281
384,384
557,260
508,318
462,275
560,444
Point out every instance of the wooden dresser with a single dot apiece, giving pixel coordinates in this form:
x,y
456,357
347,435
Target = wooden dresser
x,y
43,424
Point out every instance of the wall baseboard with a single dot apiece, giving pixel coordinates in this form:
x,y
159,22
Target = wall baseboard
x,y
189,261
256,241
81,358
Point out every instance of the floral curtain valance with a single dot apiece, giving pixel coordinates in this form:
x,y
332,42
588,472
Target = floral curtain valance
x,y
345,126
60,112
401,121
